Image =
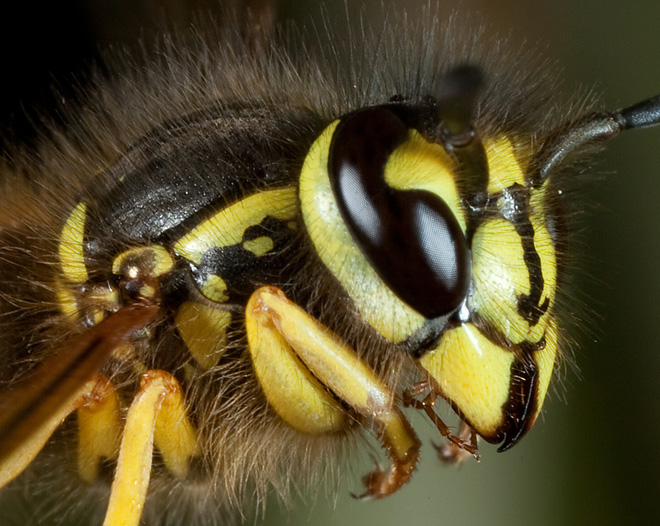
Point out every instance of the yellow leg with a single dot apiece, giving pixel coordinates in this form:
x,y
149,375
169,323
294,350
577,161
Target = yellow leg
x,y
174,435
33,408
24,452
156,410
297,360
99,429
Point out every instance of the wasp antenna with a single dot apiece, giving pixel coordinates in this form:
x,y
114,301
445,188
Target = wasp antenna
x,y
458,93
597,127
642,115
457,99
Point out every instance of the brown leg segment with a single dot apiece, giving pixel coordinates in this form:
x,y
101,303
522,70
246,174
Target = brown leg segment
x,y
402,447
426,405
453,454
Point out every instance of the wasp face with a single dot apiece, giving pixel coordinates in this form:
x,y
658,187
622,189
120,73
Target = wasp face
x,y
461,254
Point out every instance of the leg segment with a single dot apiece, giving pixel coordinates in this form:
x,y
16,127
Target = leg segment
x,y
99,429
299,362
32,410
453,454
464,441
156,416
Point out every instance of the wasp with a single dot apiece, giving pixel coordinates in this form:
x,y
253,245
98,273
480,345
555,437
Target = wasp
x,y
211,285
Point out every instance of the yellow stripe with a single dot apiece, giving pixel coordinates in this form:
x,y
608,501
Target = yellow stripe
x,y
503,167
71,253
66,300
226,228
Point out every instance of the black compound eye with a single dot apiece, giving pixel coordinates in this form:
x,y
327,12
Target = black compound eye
x,y
410,237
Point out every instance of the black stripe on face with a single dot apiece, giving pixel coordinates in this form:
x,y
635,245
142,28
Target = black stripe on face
x,y
519,214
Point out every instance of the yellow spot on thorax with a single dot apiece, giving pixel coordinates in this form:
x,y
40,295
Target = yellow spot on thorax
x,y
226,228
259,246
504,170
215,289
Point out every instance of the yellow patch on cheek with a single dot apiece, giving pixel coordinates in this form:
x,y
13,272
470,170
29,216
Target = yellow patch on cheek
x,y
474,374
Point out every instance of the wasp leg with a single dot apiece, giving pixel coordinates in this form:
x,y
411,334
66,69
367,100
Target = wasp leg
x,y
24,453
99,429
460,441
453,454
32,409
297,361
156,416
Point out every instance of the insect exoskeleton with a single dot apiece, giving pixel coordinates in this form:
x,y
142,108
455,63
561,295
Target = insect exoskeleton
x,y
450,259
244,288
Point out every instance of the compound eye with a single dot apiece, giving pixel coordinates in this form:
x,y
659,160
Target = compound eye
x,y
410,237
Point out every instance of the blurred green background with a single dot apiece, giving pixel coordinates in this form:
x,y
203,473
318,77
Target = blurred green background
x,y
594,457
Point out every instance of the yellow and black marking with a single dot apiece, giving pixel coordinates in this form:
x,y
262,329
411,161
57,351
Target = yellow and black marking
x,y
245,270
462,279
240,244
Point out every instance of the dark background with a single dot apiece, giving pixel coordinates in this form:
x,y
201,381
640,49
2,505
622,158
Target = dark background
x,y
594,457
